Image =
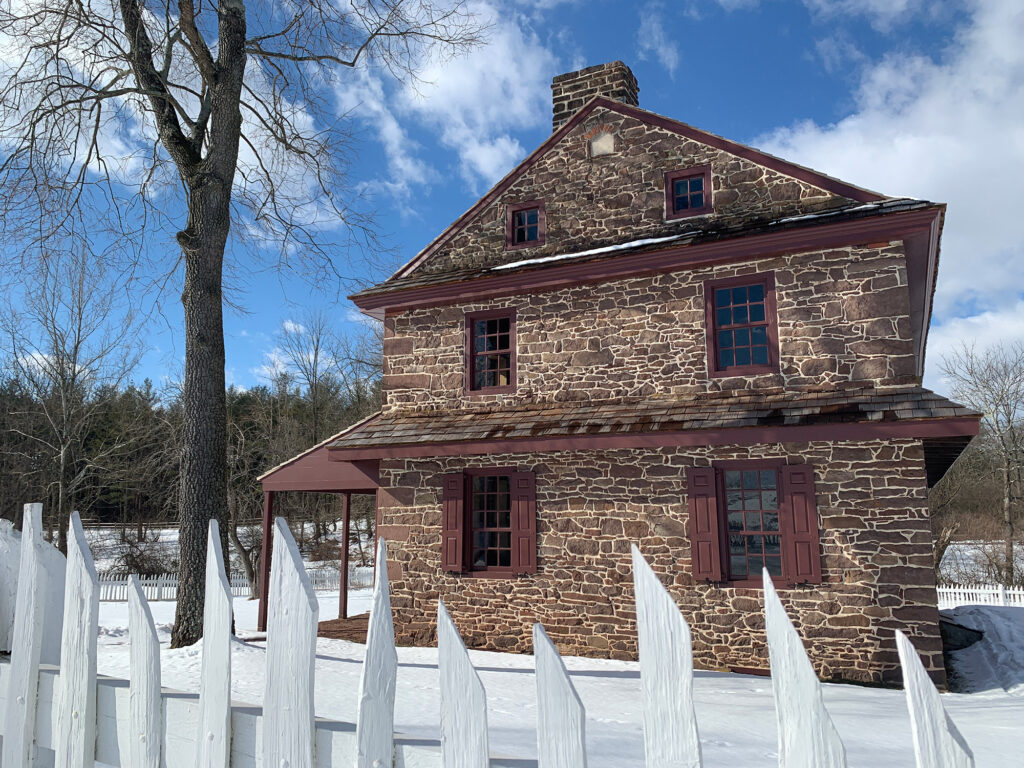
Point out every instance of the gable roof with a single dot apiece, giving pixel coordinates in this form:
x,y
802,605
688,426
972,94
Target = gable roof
x,y
800,172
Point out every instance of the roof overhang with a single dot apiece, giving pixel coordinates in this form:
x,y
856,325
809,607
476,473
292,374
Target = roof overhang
x,y
948,429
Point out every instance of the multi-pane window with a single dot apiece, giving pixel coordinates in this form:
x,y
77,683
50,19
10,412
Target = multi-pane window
x,y
491,517
526,226
741,326
489,522
688,192
491,353
752,522
745,516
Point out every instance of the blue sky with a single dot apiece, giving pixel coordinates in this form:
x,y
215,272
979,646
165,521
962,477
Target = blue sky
x,y
906,97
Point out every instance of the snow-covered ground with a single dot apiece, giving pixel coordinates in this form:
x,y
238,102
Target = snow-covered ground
x,y
735,713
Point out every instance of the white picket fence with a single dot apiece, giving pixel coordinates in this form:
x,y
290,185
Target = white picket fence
x,y
117,588
952,595
57,711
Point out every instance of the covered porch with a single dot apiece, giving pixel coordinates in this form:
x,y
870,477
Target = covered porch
x,y
314,472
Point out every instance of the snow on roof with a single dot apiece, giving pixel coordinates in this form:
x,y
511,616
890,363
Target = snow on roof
x,y
593,251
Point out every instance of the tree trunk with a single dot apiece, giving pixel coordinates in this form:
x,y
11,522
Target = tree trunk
x,y
1009,567
246,556
203,490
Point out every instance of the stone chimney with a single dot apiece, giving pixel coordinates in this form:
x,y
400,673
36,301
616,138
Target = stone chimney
x,y
569,92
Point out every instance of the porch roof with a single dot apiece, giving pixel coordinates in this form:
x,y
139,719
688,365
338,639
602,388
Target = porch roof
x,y
313,470
731,417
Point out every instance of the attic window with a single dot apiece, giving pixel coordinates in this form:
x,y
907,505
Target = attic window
x,y
688,192
525,225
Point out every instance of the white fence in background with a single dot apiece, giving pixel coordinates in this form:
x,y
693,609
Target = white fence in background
x,y
116,588
952,595
65,715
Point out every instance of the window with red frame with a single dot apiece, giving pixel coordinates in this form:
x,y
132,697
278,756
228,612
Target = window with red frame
x,y
752,521
491,364
748,516
525,224
489,522
742,326
688,192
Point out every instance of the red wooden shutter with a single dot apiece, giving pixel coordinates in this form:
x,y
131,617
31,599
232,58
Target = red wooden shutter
x,y
800,538
524,522
453,523
705,552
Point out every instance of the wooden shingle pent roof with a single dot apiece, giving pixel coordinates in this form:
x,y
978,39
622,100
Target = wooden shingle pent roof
x,y
740,417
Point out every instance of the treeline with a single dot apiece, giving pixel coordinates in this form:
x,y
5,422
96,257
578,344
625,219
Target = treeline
x,y
119,466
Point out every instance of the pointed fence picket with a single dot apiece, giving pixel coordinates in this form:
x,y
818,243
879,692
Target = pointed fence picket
x,y
76,707
214,740
376,715
937,740
666,673
464,742
145,710
51,709
807,736
291,658
561,719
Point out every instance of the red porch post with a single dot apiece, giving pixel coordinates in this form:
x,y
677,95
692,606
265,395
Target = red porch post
x,y
346,506
266,552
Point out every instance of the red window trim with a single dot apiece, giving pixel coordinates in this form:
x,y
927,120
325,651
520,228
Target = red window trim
x,y
510,211
771,315
470,370
492,572
686,173
779,465
467,527
723,527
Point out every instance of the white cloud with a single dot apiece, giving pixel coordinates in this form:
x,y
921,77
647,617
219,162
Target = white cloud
x,y
292,327
653,40
950,131
274,364
983,330
882,14
475,102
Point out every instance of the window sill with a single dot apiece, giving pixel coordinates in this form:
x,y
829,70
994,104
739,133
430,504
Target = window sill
x,y
688,214
522,246
510,390
779,582
492,574
744,370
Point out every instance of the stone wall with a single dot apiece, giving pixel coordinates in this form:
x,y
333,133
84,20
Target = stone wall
x,y
617,197
843,315
876,539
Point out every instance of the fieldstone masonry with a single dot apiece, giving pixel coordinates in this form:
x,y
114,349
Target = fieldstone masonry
x,y
594,201
843,316
570,92
876,545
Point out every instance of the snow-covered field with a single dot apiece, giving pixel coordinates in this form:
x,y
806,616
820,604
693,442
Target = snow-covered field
x,y
735,712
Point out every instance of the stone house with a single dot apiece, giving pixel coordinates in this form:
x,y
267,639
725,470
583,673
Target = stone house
x,y
646,333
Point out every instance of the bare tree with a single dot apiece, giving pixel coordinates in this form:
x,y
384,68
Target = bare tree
x,y
122,117
71,345
992,381
311,349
